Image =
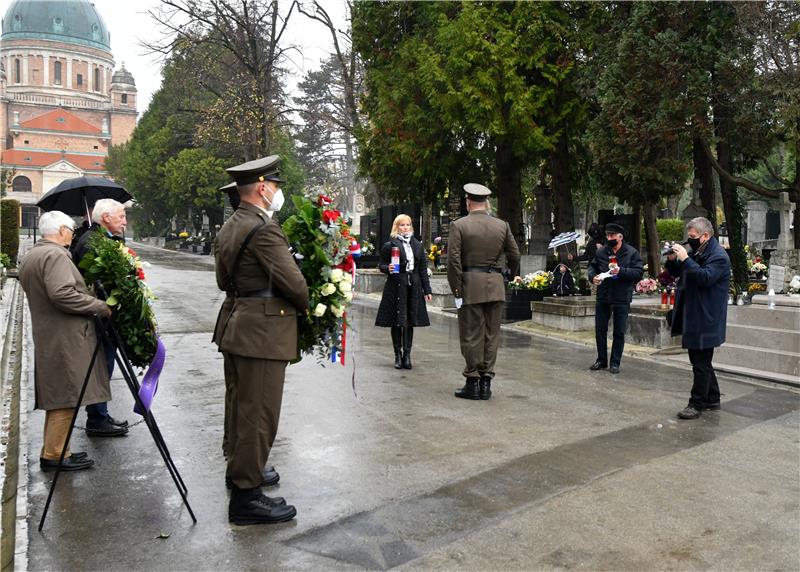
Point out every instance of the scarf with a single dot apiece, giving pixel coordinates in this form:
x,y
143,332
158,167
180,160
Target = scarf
x,y
406,242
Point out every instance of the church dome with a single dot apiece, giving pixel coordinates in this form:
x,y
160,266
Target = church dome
x,y
68,21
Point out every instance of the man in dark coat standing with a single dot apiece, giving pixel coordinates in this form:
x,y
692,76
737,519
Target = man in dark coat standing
x,y
701,309
256,332
477,242
615,283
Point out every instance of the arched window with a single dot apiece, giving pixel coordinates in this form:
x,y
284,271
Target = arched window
x,y
57,73
21,184
97,79
17,71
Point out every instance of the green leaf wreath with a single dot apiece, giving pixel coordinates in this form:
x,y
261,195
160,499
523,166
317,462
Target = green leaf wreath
x,y
320,240
120,271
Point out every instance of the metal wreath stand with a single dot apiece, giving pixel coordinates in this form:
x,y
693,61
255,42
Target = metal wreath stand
x,y
132,382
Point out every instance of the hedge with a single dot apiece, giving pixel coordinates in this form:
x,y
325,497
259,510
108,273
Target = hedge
x,y
668,229
9,229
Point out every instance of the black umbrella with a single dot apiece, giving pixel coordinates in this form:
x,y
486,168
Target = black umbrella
x,y
76,196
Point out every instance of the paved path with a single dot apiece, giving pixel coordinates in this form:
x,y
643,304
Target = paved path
x,y
563,468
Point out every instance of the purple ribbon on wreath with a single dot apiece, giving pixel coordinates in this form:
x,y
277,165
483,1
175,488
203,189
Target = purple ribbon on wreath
x,y
150,382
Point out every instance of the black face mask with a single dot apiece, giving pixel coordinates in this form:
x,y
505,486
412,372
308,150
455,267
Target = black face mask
x,y
694,243
612,242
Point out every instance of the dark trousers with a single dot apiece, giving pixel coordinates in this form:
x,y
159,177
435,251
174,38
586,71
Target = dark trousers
x,y
705,389
99,411
602,313
479,332
253,395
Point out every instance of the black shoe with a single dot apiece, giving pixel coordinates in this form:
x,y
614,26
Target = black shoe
x,y
406,360
398,360
250,506
712,407
614,369
470,389
70,463
123,423
269,477
598,365
79,455
689,412
104,429
485,387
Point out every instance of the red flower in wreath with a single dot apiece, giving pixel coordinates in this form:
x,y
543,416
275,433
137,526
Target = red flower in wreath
x,y
324,200
140,274
131,251
330,216
347,265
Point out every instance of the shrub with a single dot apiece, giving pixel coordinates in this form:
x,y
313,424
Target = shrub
x,y
668,229
9,229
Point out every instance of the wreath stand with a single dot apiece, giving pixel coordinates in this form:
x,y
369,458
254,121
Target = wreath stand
x,y
133,385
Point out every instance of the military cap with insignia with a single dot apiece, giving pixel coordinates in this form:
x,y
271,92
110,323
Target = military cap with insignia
x,y
259,170
233,194
615,228
476,192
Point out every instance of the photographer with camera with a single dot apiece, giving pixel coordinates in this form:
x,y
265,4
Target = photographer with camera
x,y
615,270
701,308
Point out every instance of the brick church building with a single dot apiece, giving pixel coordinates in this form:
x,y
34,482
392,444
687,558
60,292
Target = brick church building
x,y
62,104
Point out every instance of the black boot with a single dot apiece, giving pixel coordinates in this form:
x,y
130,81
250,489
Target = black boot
x,y
470,389
408,338
397,342
485,387
250,506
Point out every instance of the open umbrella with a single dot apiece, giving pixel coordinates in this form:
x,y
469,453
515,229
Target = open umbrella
x,y
563,238
76,196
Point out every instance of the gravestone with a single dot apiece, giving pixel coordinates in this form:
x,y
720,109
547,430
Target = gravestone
x,y
785,240
756,221
695,207
775,280
540,232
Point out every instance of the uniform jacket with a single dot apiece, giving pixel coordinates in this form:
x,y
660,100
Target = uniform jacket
x,y
264,328
403,302
64,334
617,290
701,302
479,240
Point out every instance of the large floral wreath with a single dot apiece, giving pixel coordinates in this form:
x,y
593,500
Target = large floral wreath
x,y
324,248
120,272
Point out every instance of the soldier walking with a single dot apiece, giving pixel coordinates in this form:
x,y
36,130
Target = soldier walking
x,y
477,241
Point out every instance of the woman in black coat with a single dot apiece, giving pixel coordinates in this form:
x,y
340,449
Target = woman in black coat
x,y
407,287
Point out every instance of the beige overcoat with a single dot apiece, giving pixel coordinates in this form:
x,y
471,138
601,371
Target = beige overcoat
x,y
264,328
64,335
479,240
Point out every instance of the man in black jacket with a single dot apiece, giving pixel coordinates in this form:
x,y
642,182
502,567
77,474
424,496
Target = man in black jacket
x,y
615,270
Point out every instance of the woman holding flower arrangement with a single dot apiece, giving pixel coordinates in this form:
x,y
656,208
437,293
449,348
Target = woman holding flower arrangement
x,y
402,306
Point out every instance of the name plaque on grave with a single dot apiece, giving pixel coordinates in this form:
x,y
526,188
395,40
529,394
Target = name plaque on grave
x,y
775,278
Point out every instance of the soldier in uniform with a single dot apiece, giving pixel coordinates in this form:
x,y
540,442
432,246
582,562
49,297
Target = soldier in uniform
x,y
477,241
256,332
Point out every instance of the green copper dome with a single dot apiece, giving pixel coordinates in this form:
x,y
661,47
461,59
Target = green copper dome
x,y
69,21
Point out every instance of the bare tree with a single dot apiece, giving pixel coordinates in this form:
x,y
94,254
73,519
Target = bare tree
x,y
239,57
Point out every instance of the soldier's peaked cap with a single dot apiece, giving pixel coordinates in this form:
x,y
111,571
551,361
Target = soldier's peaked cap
x,y
264,169
233,194
476,191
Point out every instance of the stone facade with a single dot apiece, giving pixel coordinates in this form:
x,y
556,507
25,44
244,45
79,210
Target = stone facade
x,y
61,102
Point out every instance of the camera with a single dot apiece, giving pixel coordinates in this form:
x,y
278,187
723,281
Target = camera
x,y
668,247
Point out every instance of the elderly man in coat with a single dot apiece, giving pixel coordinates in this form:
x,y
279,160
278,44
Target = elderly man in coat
x,y
64,338
701,309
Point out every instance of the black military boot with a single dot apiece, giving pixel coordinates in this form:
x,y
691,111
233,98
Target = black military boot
x,y
408,338
397,342
251,506
485,387
470,389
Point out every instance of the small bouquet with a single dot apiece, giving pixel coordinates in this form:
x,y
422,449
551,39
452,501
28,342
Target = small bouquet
x,y
323,247
758,267
120,271
647,286
794,286
535,281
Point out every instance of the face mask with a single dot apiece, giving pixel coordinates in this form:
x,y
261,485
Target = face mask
x,y
277,201
694,243
612,243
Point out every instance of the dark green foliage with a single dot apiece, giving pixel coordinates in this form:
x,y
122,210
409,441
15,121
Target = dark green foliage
x,y
668,229
9,228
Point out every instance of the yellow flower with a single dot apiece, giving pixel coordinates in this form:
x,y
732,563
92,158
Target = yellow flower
x,y
345,286
327,289
336,275
320,310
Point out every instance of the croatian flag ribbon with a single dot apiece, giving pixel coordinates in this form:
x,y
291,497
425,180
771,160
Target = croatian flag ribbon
x,y
150,382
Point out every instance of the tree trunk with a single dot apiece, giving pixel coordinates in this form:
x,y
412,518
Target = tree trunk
x,y
704,172
563,208
730,197
797,184
651,235
508,183
425,231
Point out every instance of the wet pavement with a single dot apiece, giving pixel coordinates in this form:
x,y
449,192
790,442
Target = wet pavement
x,y
563,468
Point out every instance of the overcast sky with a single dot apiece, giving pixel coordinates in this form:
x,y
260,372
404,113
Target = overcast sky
x,y
129,23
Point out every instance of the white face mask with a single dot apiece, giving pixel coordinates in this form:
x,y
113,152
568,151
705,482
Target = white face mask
x,y
277,201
